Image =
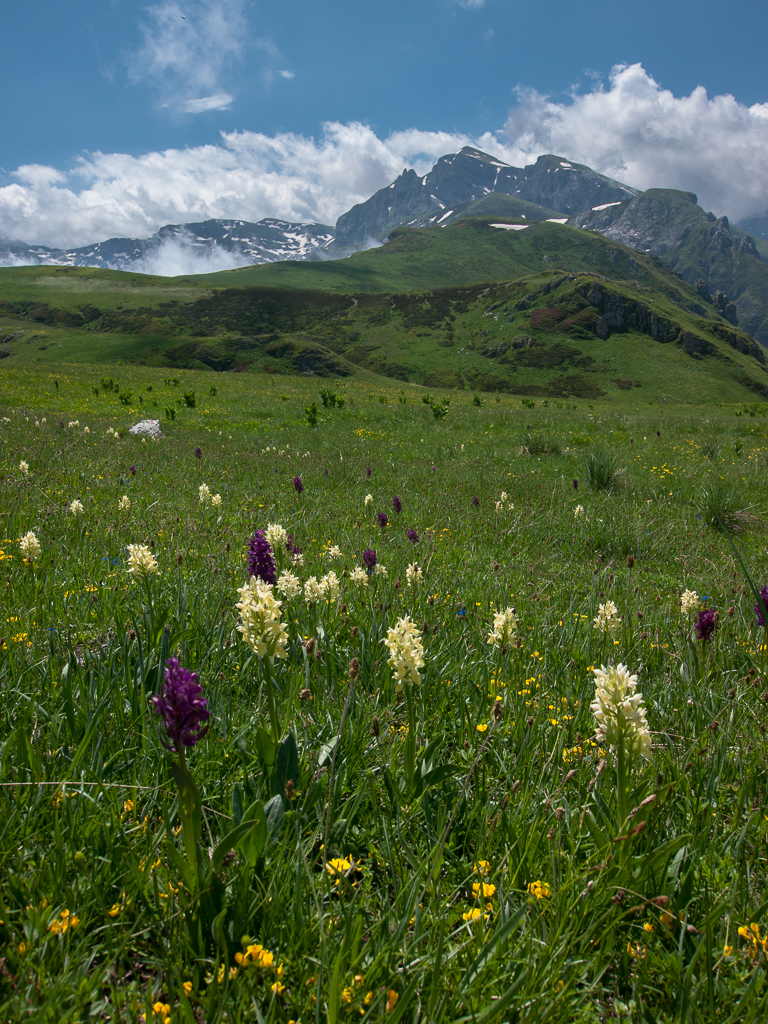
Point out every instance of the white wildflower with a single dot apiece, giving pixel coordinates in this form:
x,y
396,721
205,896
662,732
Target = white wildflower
x,y
406,651
124,504
204,494
288,585
334,552
380,570
689,602
260,621
72,424
24,468
76,507
413,574
499,507
297,559
30,546
503,496
216,501
578,512
504,628
85,429
276,536
619,710
329,585
368,500
141,561
358,577
607,619
313,592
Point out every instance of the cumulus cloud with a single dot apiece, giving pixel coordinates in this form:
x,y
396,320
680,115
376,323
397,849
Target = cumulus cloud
x,y
632,130
189,50
176,257
643,135
247,176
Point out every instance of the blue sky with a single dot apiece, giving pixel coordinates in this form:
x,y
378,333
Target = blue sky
x,y
201,91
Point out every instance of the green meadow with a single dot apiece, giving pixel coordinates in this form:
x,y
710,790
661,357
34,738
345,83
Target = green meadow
x,y
460,844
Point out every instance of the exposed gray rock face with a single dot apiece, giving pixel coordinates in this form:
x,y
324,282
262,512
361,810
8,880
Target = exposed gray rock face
x,y
721,262
617,313
459,179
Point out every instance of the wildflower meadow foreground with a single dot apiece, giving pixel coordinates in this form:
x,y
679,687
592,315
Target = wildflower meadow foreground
x,y
370,713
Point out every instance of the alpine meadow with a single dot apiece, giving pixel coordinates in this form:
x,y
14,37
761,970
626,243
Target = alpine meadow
x,y
385,629
346,700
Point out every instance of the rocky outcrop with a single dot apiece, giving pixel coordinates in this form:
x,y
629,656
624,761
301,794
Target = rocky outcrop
x,y
703,249
618,313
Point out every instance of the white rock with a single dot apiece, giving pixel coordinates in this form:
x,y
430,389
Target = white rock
x,y
150,427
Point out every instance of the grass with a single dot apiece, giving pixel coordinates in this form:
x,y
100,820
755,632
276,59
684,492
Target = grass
x,y
721,508
602,470
355,854
542,335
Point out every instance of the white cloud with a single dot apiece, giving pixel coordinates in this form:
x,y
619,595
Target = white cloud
x,y
190,50
632,130
645,136
287,74
247,176
221,101
173,258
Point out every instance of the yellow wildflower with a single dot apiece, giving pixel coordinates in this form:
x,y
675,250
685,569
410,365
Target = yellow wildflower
x,y
539,889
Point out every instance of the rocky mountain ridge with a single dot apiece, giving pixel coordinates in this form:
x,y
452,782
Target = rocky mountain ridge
x,y
725,264
232,242
458,179
705,250
547,188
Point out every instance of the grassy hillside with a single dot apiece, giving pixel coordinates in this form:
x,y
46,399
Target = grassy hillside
x,y
607,319
467,252
496,204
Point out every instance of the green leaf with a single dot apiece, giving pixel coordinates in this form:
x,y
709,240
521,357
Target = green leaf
x,y
274,811
230,841
600,838
287,765
185,871
237,804
265,748
326,752
255,839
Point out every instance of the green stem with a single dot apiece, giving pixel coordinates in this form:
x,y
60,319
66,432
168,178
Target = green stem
x,y
188,826
410,741
151,609
273,720
621,780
